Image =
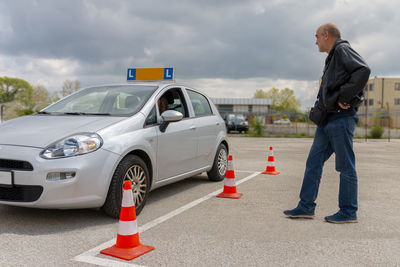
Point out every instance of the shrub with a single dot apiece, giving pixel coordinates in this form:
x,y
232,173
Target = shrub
x,y
376,132
24,112
257,126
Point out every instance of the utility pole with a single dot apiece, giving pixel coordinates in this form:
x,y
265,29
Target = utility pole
x,y
1,112
366,115
383,88
388,115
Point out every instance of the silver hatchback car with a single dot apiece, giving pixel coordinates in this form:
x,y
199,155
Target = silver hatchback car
x,y
77,152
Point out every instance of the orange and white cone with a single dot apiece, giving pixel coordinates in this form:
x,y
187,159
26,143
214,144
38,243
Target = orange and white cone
x,y
270,164
229,183
128,245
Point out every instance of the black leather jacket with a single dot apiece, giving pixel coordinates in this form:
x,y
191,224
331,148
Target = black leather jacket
x,y
345,76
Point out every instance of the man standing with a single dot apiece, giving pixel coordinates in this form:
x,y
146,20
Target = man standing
x,y
344,77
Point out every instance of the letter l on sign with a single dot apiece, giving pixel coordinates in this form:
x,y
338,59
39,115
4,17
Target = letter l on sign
x,y
168,73
131,74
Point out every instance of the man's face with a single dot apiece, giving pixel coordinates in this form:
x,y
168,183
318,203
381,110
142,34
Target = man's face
x,y
321,40
162,104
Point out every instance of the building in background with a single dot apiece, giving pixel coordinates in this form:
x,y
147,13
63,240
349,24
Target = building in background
x,y
256,107
382,101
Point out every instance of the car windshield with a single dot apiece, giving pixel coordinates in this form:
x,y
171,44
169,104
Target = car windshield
x,y
123,100
240,117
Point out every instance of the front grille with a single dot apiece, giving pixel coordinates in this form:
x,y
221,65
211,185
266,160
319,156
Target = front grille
x,y
15,165
21,193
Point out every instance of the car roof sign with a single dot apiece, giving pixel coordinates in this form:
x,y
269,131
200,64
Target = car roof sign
x,y
151,74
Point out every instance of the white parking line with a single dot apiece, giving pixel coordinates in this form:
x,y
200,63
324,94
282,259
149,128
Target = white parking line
x,y
90,255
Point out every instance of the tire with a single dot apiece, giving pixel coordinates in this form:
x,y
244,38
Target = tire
x,y
218,170
130,168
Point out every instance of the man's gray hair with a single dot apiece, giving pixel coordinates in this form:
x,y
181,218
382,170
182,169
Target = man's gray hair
x,y
332,29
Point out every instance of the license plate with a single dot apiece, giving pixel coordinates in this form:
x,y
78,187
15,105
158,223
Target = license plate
x,y
5,178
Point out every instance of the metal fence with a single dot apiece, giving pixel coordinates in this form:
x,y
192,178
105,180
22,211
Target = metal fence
x,y
306,129
390,122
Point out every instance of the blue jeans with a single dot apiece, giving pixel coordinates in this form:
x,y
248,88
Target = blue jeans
x,y
335,137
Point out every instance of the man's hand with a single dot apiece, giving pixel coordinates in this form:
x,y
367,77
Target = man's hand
x,y
342,106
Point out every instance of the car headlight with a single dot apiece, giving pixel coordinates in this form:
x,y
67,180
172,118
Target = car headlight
x,y
74,145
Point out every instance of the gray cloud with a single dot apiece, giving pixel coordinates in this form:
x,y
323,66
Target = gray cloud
x,y
233,40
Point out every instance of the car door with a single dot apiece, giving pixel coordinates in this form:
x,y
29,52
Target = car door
x,y
177,146
207,127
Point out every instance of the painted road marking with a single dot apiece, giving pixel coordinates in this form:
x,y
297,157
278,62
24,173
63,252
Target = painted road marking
x,y
90,255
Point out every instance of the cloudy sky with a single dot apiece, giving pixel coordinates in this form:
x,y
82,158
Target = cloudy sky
x,y
225,48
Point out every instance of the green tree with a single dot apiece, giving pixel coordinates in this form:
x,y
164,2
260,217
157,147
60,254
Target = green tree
x,y
70,87
260,93
282,100
14,88
28,101
41,98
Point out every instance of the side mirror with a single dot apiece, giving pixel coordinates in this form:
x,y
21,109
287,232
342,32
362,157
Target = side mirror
x,y
169,116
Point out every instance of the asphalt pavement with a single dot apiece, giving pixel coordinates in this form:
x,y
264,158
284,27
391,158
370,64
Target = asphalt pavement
x,y
189,226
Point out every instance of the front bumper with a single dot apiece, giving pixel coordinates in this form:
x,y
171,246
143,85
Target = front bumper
x,y
239,127
88,189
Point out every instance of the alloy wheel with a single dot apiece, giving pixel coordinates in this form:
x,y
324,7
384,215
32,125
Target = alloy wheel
x,y
137,176
222,162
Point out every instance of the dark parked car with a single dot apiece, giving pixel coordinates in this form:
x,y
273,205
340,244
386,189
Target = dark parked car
x,y
236,122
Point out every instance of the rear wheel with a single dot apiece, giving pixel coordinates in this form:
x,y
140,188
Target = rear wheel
x,y
217,173
134,169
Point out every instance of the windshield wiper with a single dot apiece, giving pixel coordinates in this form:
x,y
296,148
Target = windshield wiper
x,y
84,113
99,114
74,113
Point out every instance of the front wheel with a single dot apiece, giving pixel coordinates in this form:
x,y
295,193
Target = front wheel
x,y
134,169
218,170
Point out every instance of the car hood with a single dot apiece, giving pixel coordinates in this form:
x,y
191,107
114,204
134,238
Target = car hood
x,y
237,121
42,130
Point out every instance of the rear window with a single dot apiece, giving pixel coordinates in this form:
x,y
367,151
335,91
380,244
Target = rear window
x,y
200,104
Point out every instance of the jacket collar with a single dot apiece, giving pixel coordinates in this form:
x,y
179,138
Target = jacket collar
x,y
330,55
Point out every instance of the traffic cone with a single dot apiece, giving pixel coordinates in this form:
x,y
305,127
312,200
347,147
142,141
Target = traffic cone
x,y
229,183
128,245
270,164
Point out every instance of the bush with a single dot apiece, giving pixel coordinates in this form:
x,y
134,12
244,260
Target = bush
x,y
257,126
24,112
376,132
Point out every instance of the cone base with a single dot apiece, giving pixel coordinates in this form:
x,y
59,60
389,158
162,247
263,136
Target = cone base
x,y
126,253
271,173
230,195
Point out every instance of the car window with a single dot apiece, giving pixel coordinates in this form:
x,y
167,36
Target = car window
x,y
152,117
124,100
174,101
90,103
200,104
230,116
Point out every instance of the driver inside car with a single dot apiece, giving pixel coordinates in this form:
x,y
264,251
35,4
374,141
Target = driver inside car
x,y
164,101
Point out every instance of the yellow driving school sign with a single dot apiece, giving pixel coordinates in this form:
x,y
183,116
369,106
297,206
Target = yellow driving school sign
x,y
150,74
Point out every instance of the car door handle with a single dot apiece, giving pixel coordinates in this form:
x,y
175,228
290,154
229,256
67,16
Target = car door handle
x,y
192,127
217,123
